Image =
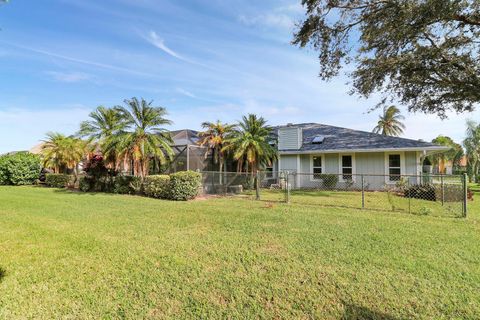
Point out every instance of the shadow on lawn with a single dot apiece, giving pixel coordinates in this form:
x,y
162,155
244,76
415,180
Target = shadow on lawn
x,y
3,272
81,193
354,312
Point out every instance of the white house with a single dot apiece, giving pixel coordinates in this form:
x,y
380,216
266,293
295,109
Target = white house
x,y
312,150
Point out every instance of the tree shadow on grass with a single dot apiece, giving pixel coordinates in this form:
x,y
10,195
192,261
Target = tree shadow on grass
x,y
354,312
81,193
3,272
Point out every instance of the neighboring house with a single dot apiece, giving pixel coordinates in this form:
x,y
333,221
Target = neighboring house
x,y
311,149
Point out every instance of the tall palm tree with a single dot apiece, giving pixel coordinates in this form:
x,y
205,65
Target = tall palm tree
x,y
390,122
214,136
63,153
103,128
251,142
472,147
143,137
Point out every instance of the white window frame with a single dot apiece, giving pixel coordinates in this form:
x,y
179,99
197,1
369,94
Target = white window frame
x,y
387,165
312,176
340,166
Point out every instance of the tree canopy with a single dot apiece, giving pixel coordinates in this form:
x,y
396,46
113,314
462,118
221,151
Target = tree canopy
x,y
424,54
454,154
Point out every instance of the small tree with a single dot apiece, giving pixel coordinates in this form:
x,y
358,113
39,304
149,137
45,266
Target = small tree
x,y
215,136
63,153
144,136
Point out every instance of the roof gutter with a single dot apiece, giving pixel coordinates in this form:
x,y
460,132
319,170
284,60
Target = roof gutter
x,y
426,149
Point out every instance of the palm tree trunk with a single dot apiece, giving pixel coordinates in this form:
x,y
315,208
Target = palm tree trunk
x,y
220,170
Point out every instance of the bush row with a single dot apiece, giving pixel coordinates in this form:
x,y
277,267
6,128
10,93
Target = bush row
x,y
22,168
57,180
178,186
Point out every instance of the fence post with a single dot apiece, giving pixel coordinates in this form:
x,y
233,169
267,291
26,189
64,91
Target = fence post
x,y
443,189
465,194
257,186
410,196
363,192
287,188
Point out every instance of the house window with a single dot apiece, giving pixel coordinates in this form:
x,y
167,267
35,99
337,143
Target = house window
x,y
269,172
317,167
347,168
394,167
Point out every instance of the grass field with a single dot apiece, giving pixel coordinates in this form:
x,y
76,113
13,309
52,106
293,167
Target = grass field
x,y
73,255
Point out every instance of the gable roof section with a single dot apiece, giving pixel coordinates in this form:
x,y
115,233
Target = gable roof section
x,y
337,139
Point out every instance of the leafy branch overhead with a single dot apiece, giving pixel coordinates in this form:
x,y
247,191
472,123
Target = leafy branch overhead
x,y
424,54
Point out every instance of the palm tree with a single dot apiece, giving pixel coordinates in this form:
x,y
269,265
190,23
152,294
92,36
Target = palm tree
x,y
251,142
472,147
104,128
453,155
214,137
390,123
144,137
63,153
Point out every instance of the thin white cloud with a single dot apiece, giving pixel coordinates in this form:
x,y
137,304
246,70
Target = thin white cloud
x,y
186,93
69,77
281,17
81,61
156,41
276,20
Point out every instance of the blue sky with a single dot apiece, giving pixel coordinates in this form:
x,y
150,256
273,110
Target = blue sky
x,y
200,59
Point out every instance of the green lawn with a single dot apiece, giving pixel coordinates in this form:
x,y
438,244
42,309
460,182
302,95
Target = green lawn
x,y
73,255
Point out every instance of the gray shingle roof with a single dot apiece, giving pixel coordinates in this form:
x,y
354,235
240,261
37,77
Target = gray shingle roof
x,y
337,138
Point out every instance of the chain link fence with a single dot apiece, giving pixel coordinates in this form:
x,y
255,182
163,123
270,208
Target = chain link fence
x,y
439,195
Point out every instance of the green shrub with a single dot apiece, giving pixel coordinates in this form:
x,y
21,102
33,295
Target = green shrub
x,y
85,184
22,168
330,181
57,180
125,184
421,191
157,186
184,185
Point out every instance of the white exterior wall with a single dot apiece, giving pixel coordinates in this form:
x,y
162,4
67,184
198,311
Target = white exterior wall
x,y
371,163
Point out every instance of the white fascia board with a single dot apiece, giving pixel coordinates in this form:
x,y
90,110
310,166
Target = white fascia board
x,y
427,149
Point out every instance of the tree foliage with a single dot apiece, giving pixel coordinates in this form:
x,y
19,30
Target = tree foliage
x,y
390,122
63,153
20,168
251,143
144,137
421,53
104,126
472,148
214,136
454,154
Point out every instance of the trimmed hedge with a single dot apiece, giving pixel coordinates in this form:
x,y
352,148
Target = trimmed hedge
x,y
57,180
185,185
126,185
22,168
110,184
157,186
